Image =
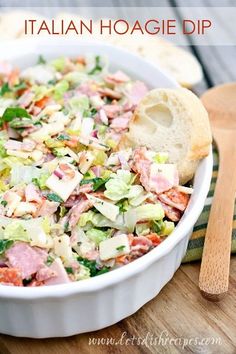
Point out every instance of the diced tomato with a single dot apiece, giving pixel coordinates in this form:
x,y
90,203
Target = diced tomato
x,y
81,60
42,103
10,276
154,238
123,259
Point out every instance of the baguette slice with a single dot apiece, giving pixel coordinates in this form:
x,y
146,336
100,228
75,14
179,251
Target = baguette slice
x,y
173,121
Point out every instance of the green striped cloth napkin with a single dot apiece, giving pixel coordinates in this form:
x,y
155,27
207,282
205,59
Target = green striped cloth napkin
x,y
196,242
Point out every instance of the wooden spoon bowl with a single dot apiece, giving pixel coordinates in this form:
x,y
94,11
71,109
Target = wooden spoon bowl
x,y
220,103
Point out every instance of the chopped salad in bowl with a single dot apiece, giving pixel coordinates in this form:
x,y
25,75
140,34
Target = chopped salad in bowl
x,y
72,204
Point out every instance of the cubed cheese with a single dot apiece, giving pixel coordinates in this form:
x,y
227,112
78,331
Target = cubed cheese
x,y
36,155
87,126
86,161
17,153
62,247
109,210
24,208
168,171
114,247
39,238
63,187
12,200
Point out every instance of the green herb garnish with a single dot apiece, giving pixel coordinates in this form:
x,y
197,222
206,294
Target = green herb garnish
x,y
63,137
41,60
66,226
97,67
49,260
5,244
69,270
4,203
53,197
4,89
91,265
120,248
97,182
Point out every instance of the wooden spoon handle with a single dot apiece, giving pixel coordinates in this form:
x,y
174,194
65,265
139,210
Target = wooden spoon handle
x,y
214,273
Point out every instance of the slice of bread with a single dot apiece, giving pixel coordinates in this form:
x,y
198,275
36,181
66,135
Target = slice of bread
x,y
173,121
178,62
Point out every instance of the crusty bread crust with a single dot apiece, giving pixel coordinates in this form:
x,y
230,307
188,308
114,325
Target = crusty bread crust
x,y
172,120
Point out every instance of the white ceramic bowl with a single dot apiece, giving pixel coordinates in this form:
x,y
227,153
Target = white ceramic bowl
x,y
92,304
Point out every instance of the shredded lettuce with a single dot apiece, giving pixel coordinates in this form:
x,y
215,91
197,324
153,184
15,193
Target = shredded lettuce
x,y
119,186
161,157
41,180
41,91
97,235
100,158
24,174
149,212
168,228
16,232
60,88
79,104
59,64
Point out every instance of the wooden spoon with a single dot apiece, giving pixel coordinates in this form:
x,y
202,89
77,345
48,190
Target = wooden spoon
x,y
220,103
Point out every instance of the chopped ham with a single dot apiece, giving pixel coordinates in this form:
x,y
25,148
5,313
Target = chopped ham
x,y
137,92
26,99
60,276
139,246
80,207
86,89
25,258
96,170
117,78
106,92
47,208
141,165
45,273
161,183
28,145
13,145
112,110
31,194
121,122
175,199
103,116
171,213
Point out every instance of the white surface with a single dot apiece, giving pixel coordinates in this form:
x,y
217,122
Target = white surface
x,y
91,304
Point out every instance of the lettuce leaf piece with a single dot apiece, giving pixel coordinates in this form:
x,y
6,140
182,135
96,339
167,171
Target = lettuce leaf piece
x,y
16,232
41,180
168,228
24,174
100,158
41,91
97,235
60,88
59,63
97,182
161,157
4,89
79,104
13,112
119,186
149,212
